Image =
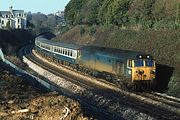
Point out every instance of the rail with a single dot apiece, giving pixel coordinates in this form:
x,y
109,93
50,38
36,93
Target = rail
x,y
156,108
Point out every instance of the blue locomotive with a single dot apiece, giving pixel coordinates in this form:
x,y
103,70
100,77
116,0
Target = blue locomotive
x,y
100,61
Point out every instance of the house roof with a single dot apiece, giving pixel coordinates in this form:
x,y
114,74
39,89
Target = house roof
x,y
15,12
18,11
4,12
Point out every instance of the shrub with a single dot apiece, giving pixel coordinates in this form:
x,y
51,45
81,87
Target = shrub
x,y
82,31
92,31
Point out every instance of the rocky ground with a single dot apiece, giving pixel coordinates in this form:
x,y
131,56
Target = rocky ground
x,y
19,101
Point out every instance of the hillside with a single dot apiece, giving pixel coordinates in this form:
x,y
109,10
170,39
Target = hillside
x,y
151,26
134,14
164,45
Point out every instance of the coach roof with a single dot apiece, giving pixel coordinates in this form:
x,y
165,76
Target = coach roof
x,y
58,44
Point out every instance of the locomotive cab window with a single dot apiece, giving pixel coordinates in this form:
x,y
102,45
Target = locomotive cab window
x,y
139,63
149,63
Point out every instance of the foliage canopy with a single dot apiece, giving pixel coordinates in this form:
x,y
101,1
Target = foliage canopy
x,y
124,13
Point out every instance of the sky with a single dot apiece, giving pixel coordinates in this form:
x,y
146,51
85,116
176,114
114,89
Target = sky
x,y
43,6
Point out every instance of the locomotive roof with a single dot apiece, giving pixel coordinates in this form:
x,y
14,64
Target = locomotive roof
x,y
113,52
58,44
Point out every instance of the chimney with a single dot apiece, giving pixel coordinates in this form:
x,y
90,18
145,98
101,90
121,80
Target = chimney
x,y
11,9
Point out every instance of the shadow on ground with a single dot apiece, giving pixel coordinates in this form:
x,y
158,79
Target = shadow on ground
x,y
163,76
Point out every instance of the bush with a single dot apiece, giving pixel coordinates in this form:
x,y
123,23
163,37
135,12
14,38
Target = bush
x,y
82,31
92,31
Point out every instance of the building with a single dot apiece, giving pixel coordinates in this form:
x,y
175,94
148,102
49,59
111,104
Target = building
x,y
15,19
59,13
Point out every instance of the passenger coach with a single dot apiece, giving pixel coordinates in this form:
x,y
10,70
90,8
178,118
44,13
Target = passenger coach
x,y
66,53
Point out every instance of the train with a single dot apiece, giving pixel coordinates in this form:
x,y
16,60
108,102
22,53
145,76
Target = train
x,y
112,64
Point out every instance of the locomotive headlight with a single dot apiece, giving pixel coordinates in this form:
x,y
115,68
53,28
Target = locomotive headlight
x,y
140,56
153,71
148,56
129,72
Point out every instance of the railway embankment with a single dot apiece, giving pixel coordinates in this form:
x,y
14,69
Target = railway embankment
x,y
164,45
110,102
89,94
21,97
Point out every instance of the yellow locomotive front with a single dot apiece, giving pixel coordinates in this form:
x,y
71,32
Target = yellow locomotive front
x,y
142,69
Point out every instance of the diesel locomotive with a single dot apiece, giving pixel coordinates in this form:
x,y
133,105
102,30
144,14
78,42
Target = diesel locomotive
x,y
110,63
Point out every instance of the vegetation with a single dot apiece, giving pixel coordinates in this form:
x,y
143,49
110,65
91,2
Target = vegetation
x,y
11,40
40,23
163,14
82,30
177,21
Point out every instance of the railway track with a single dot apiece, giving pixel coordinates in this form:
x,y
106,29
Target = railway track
x,y
153,104
89,106
164,99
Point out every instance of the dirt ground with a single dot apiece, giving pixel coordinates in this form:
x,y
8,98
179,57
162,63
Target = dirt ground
x,y
19,101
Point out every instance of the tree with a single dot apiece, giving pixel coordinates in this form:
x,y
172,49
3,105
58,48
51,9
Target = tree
x,y
72,11
114,12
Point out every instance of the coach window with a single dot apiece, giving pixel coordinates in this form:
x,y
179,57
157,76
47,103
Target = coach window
x,y
71,53
63,51
55,49
60,50
66,52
